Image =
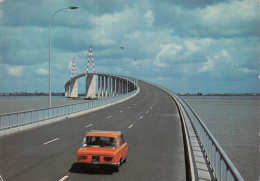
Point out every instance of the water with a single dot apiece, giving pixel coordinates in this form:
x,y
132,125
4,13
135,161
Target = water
x,y
234,121
24,103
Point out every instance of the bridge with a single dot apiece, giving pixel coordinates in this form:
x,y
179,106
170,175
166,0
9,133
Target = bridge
x,y
109,85
165,143
167,139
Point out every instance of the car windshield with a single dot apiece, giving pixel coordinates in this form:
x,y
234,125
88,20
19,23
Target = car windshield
x,y
96,141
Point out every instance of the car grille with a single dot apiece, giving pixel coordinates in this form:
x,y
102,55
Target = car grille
x,y
95,159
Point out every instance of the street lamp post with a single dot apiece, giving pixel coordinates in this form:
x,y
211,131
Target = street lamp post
x,y
74,8
109,68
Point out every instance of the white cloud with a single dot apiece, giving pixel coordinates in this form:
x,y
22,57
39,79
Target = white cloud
x,y
149,17
16,71
217,38
42,71
218,62
167,53
207,66
247,71
229,19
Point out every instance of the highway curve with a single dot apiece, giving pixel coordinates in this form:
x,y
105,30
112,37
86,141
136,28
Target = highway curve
x,y
150,123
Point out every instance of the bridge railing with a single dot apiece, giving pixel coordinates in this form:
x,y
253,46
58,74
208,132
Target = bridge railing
x,y
221,165
11,120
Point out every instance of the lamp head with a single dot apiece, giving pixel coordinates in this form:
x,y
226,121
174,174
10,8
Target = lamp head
x,y
74,7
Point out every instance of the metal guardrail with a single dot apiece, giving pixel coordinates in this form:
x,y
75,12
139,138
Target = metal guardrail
x,y
11,120
221,165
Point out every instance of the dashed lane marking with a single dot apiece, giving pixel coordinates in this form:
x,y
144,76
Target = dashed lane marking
x,y
109,117
141,117
121,111
130,126
1,178
129,107
50,141
147,112
89,125
64,178
151,107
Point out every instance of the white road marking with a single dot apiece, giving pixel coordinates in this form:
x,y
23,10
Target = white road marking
x,y
147,112
89,125
109,117
129,107
130,126
134,104
121,111
64,178
50,141
151,107
1,178
141,117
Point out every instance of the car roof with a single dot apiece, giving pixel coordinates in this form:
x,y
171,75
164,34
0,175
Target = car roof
x,y
102,133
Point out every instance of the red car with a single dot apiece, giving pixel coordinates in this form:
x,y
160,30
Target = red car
x,y
103,148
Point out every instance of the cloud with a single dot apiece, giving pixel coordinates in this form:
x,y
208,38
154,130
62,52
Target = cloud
x,y
42,71
218,62
168,52
248,71
16,71
221,19
172,40
149,17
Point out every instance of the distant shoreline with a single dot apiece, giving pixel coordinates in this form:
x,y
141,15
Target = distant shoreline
x,y
225,94
30,94
180,94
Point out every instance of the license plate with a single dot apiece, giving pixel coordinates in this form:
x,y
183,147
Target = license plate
x,y
95,159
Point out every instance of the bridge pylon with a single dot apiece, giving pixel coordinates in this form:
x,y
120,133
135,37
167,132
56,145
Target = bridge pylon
x,y
72,90
90,78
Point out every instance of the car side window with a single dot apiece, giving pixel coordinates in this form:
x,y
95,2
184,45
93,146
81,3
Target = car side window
x,y
120,142
123,140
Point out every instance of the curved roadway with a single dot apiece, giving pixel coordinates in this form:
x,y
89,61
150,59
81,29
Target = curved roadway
x,y
150,123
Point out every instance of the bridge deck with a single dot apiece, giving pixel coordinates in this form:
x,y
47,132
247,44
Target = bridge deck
x,y
150,123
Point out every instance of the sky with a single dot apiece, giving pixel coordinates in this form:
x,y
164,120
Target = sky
x,y
184,45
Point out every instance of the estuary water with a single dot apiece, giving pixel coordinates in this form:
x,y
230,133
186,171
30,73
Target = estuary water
x,y
234,122
24,103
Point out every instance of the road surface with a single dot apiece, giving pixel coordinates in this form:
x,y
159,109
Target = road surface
x,y
150,123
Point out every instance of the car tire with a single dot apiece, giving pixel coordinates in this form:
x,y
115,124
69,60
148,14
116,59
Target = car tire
x,y
125,159
117,167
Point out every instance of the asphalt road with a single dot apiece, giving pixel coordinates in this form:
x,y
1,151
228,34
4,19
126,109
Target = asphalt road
x,y
151,126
